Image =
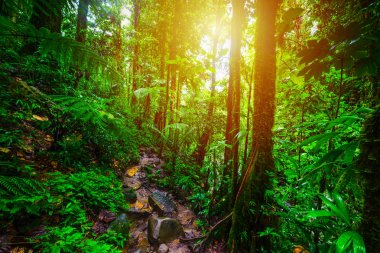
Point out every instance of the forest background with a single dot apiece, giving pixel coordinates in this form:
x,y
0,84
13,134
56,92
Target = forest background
x,y
266,112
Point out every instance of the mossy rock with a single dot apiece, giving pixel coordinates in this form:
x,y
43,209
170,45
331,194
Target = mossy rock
x,y
163,230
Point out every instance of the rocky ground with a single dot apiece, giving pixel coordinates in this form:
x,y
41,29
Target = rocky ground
x,y
159,222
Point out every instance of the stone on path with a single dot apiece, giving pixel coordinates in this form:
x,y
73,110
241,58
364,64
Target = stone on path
x,y
163,230
161,203
133,183
163,248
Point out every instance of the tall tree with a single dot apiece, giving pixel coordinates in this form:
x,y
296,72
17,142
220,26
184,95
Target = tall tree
x,y
264,108
233,98
82,21
161,38
135,60
370,163
256,184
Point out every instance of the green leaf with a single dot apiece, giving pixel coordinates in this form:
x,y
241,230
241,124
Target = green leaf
x,y
319,213
321,138
341,213
350,238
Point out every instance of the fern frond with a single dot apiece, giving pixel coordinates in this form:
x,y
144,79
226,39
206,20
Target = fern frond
x,y
8,184
17,186
85,110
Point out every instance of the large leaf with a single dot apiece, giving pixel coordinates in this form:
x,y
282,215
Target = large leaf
x,y
350,238
321,138
338,210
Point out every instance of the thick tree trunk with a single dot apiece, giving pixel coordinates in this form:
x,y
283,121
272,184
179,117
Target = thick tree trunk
x,y
264,108
369,163
263,120
233,98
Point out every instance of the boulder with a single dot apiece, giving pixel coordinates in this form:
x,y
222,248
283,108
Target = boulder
x,y
163,230
161,203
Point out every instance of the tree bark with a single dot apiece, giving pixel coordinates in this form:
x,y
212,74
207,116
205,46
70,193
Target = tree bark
x,y
262,145
161,37
369,164
231,152
135,61
264,109
82,21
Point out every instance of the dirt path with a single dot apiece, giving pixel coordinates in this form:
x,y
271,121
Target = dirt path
x,y
136,178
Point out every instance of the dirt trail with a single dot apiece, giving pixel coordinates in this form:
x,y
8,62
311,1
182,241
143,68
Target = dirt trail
x,y
135,177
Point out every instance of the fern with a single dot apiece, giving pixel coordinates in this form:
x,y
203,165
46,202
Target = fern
x,y
84,110
17,186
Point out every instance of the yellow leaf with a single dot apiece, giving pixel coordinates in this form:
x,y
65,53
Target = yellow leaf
x,y
40,118
139,205
5,150
132,171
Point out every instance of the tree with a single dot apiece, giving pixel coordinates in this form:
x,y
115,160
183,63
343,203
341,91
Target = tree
x,y
231,152
263,120
82,21
264,108
161,37
135,61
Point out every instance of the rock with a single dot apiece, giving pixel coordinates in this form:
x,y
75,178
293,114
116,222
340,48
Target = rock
x,y
163,230
163,248
145,162
120,225
106,216
99,227
161,203
133,183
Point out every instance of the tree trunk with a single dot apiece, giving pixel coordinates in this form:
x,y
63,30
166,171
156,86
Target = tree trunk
x,y
233,97
135,61
161,37
82,21
369,163
173,67
264,108
263,120
249,112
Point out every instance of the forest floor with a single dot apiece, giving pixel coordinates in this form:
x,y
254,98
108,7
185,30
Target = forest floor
x,y
136,177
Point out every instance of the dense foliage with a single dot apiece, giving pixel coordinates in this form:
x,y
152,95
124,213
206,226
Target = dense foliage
x,y
265,113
